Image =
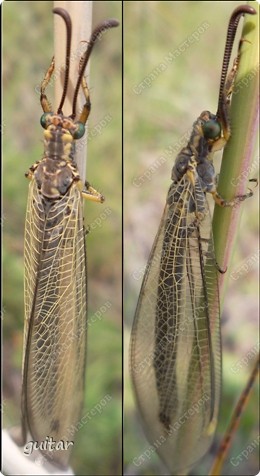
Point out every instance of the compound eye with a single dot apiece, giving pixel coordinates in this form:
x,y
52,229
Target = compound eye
x,y
45,122
80,131
211,129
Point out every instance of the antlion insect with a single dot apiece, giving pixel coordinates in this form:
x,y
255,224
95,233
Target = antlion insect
x,y
175,341
55,269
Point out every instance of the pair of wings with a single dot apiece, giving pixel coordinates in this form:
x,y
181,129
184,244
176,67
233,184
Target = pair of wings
x,y
175,342
55,318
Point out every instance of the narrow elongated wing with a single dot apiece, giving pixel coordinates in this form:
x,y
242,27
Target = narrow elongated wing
x,y
55,308
175,343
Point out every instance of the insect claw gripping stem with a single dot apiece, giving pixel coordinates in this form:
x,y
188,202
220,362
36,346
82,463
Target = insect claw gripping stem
x,y
230,203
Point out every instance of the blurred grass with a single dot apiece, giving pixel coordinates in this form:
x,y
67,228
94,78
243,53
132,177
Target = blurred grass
x,y
27,50
156,116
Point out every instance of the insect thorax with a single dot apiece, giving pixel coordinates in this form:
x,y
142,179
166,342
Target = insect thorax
x,y
196,157
56,172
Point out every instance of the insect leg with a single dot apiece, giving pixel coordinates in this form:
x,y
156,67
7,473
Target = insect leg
x,y
227,93
87,106
45,103
29,175
111,23
89,193
226,103
230,203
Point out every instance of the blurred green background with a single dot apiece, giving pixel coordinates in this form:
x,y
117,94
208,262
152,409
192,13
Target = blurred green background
x,y
162,99
28,48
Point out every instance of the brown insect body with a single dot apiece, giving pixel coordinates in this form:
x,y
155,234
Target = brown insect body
x,y
55,273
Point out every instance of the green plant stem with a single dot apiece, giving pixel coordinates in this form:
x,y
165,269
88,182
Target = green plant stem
x,y
236,168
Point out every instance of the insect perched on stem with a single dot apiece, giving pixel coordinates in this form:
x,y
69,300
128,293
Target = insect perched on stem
x,y
55,270
175,342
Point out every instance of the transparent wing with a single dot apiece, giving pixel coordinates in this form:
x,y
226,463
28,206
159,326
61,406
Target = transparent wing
x,y
175,343
55,308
